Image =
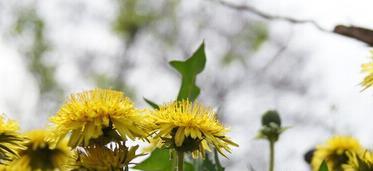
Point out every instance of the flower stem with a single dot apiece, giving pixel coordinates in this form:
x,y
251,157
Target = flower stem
x,y
180,161
173,154
271,155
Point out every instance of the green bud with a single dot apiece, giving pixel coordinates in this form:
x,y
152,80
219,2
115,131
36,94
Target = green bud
x,y
271,116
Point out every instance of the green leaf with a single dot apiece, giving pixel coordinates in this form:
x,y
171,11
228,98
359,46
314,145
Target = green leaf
x,y
208,165
159,160
189,69
323,166
151,103
261,35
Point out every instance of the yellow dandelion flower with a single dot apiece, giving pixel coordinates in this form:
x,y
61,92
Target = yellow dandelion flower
x,y
85,115
362,161
368,69
116,156
10,141
189,127
39,155
335,151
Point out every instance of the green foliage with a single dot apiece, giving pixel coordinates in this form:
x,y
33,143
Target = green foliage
x,y
31,23
151,103
323,166
208,165
260,35
159,160
189,69
129,20
104,81
247,41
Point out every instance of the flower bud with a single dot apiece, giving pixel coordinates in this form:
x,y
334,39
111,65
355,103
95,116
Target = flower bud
x,y
271,116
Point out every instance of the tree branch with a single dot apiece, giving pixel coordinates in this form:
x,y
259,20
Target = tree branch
x,y
267,16
358,33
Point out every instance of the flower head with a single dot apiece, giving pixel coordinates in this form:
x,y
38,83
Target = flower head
x,y
335,151
368,69
115,156
88,114
11,142
39,155
189,127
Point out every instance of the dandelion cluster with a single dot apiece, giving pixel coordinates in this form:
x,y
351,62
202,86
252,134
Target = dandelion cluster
x,y
91,129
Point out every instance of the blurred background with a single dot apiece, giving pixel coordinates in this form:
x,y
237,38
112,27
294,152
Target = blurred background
x,y
50,49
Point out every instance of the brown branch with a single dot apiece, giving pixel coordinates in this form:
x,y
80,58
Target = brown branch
x,y
361,34
267,16
358,33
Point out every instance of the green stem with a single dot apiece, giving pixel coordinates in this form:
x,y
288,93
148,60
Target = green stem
x,y
180,161
217,162
271,155
174,160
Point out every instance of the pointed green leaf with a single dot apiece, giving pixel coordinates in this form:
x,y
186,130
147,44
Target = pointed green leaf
x,y
323,166
151,103
159,160
208,165
189,69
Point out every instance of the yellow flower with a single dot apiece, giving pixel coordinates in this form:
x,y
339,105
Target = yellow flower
x,y
362,161
335,151
189,127
39,155
102,158
368,69
10,141
88,114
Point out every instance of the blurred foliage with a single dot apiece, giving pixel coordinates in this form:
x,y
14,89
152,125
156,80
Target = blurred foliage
x,y
250,39
105,81
259,35
29,25
130,19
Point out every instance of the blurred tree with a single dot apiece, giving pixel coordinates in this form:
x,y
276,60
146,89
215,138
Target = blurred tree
x,y
29,31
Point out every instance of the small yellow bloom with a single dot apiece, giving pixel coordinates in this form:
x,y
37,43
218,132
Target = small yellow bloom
x,y
102,158
11,142
189,127
368,69
86,115
362,161
39,155
335,151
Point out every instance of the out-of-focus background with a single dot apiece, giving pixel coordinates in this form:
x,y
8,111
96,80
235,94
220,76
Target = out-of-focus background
x,y
49,49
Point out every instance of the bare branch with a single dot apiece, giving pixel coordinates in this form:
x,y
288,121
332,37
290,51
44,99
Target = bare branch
x,y
267,16
358,33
